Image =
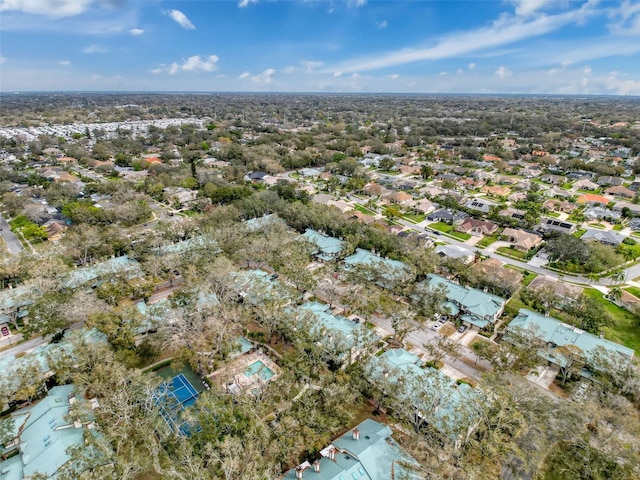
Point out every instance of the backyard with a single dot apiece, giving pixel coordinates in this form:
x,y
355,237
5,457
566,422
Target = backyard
x,y
448,230
625,329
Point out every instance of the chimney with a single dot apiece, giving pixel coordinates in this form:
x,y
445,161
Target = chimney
x,y
355,433
299,471
316,466
332,453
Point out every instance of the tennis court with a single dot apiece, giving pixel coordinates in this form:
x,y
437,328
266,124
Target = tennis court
x,y
172,398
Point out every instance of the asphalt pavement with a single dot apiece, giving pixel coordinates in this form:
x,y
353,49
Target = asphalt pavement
x,y
11,241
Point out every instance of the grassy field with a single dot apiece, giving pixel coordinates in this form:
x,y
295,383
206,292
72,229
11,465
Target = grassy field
x,y
633,291
486,241
362,209
578,233
625,329
441,227
512,252
415,218
448,230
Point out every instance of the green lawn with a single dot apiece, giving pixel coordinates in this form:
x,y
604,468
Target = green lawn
x,y
635,291
512,252
415,218
618,227
460,235
625,329
597,225
578,233
553,214
362,209
486,241
441,227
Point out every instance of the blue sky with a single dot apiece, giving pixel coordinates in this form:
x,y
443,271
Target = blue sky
x,y
475,46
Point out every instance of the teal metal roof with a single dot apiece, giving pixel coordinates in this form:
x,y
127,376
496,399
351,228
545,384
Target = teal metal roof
x,y
242,346
259,223
554,331
43,446
328,247
390,271
478,306
328,321
184,246
374,456
22,295
452,413
90,275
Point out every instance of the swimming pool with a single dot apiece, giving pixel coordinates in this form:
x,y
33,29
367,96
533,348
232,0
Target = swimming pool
x,y
258,367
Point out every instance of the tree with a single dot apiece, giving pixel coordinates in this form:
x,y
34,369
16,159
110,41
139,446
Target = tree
x,y
426,171
48,315
569,358
403,322
567,248
482,350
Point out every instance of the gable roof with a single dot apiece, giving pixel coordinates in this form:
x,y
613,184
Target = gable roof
x,y
592,198
555,332
374,455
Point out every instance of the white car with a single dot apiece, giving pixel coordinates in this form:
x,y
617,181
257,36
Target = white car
x,y
436,326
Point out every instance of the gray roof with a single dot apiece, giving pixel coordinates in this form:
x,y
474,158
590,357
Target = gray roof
x,y
608,237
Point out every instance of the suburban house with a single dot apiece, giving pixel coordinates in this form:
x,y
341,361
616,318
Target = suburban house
x,y
15,302
607,237
559,205
255,176
439,402
521,240
368,452
389,272
477,227
566,292
447,215
480,204
335,328
455,251
496,190
553,179
585,184
512,213
475,308
179,195
620,191
607,180
553,224
423,205
635,208
94,274
592,198
43,433
327,248
601,213
557,334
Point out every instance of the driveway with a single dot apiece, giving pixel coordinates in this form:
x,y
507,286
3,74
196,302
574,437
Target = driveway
x,y
11,241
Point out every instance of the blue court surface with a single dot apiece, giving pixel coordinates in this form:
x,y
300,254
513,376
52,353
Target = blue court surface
x,y
172,398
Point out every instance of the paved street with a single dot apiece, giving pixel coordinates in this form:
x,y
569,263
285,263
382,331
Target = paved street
x,y
11,241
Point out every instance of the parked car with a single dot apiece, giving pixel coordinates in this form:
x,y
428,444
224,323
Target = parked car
x,y
462,328
436,326
5,331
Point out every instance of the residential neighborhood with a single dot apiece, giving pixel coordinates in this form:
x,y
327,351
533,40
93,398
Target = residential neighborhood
x,y
236,295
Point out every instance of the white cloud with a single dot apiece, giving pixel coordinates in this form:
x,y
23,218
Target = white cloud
x,y
526,8
382,24
246,3
626,19
181,19
587,70
503,31
309,65
95,48
195,63
503,72
337,74
244,75
3,59
394,76
136,32
442,74
356,3
264,77
288,70
471,66
50,8
565,63
64,63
